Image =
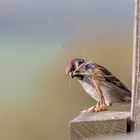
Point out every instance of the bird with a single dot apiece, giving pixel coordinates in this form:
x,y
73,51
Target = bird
x,y
99,83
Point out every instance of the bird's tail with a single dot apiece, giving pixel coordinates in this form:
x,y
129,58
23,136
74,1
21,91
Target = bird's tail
x,y
127,99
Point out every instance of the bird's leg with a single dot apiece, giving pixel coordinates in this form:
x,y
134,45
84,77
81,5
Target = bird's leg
x,y
102,106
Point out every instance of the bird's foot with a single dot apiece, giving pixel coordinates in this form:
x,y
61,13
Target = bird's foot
x,y
101,107
96,108
89,109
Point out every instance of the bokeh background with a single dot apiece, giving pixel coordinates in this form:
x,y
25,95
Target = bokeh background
x,y
37,39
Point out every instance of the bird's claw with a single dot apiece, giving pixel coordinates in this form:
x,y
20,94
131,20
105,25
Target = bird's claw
x,y
97,108
91,109
101,108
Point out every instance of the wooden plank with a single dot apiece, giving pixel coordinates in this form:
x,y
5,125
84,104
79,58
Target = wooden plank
x,y
88,125
132,136
135,110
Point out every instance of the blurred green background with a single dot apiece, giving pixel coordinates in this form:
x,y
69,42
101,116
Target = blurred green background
x,y
37,39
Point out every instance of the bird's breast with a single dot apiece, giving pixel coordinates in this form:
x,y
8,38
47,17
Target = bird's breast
x,y
88,87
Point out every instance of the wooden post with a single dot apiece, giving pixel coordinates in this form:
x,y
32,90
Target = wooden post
x,y
89,125
135,107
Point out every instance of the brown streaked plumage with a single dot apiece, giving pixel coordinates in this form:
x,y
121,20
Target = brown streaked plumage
x,y
99,83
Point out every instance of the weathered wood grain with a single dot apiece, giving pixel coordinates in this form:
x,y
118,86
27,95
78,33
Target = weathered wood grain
x,y
88,125
135,110
132,136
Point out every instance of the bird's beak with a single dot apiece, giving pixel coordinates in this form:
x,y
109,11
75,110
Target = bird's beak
x,y
71,75
74,73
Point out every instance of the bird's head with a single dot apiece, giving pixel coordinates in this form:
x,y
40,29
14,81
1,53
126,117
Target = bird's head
x,y
72,66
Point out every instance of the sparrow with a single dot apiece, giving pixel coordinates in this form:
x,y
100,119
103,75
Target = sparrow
x,y
99,83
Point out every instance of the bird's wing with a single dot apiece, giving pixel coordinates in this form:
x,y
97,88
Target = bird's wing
x,y
108,76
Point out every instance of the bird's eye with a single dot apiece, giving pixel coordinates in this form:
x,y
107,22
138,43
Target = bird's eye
x,y
73,67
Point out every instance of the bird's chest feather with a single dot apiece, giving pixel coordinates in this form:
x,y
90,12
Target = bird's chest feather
x,y
89,87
